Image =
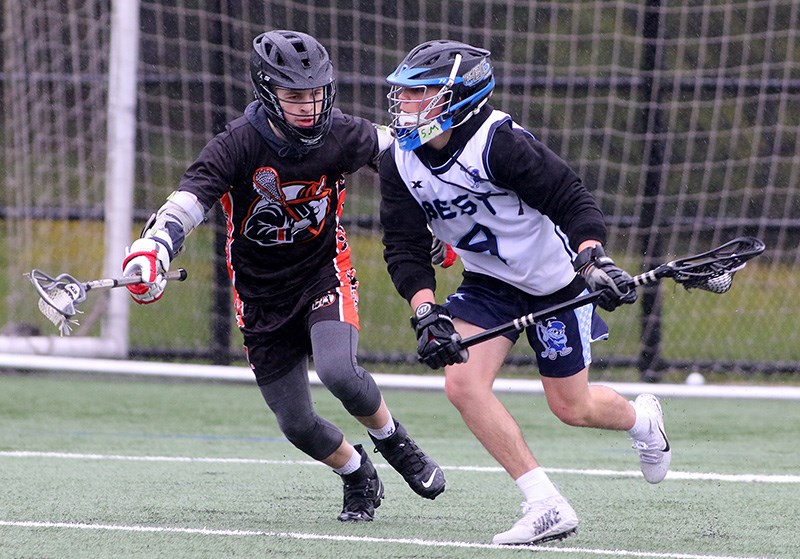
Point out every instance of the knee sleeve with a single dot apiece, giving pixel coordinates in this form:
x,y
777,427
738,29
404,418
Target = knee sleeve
x,y
289,398
334,345
314,435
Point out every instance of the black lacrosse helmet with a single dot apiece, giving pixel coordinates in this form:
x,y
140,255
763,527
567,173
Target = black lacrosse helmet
x,y
293,60
460,77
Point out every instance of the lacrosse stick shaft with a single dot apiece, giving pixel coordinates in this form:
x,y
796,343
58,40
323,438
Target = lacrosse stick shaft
x,y
713,269
176,275
518,324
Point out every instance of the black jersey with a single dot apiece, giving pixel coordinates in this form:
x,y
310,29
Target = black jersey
x,y
282,209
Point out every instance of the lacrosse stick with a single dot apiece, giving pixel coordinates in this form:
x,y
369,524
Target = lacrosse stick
x,y
58,296
266,181
710,271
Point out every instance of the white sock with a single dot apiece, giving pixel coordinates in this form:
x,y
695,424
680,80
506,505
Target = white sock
x,y
641,426
352,465
535,485
384,432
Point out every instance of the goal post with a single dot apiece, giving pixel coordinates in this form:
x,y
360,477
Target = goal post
x,y
120,165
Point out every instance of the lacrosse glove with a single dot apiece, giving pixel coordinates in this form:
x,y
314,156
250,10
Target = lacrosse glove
x,y
442,254
601,274
150,258
437,339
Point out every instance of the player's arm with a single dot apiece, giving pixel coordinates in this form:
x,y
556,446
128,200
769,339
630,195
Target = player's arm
x,y
406,238
407,243
163,235
361,142
162,239
546,183
384,138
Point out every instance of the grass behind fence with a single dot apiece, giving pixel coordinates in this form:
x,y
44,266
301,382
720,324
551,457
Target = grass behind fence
x,y
752,322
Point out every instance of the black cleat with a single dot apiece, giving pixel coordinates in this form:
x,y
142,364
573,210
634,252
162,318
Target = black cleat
x,y
419,470
363,491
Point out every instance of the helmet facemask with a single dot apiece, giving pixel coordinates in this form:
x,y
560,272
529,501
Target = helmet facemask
x,y
431,99
306,137
454,76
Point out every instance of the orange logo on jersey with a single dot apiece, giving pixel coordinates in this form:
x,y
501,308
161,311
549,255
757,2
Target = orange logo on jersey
x,y
286,213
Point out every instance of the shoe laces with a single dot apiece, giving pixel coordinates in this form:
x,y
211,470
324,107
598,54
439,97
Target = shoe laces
x,y
540,515
364,490
650,452
406,454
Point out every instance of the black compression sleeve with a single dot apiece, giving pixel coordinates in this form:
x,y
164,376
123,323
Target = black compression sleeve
x,y
406,239
546,183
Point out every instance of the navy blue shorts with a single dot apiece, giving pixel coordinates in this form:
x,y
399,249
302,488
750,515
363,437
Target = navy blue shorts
x,y
562,342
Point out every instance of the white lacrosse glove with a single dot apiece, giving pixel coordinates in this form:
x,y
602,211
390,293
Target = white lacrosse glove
x,y
148,257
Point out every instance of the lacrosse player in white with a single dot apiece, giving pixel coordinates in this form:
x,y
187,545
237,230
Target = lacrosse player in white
x,y
279,174
529,235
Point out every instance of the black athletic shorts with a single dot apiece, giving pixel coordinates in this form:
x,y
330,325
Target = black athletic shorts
x,y
277,338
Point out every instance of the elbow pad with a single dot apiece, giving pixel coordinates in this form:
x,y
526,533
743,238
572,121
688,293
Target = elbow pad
x,y
385,139
178,217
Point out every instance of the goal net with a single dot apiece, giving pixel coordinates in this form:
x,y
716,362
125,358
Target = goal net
x,y
682,118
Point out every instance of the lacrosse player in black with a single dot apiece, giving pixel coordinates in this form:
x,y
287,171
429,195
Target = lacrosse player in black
x,y
529,235
278,172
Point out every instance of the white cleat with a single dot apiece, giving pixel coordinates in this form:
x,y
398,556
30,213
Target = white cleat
x,y
542,521
654,451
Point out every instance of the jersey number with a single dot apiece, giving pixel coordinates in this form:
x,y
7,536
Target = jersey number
x,y
480,239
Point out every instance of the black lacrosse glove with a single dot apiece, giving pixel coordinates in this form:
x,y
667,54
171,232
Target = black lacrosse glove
x,y
601,274
437,339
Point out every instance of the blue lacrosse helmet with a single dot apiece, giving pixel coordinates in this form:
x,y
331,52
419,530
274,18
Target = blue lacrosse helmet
x,y
454,76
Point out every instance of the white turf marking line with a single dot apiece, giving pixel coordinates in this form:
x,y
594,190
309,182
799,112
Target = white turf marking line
x,y
685,476
362,539
411,382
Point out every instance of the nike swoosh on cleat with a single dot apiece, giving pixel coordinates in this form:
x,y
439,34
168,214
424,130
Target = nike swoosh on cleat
x,y
427,484
666,440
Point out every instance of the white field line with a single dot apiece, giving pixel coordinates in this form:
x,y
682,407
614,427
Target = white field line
x,y
672,475
411,382
366,539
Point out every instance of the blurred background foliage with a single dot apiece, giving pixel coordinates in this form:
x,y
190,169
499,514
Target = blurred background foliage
x,y
683,118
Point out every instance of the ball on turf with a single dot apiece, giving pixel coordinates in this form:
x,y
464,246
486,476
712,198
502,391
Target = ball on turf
x,y
695,379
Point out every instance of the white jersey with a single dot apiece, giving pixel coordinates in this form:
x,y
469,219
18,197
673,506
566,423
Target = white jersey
x,y
491,229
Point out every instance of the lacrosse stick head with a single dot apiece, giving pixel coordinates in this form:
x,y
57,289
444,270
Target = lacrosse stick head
x,y
58,297
714,270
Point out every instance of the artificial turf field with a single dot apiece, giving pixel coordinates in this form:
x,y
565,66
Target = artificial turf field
x,y
100,467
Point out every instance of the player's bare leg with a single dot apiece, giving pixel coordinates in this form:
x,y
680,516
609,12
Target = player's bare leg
x,y
469,388
575,402
378,419
340,456
546,514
